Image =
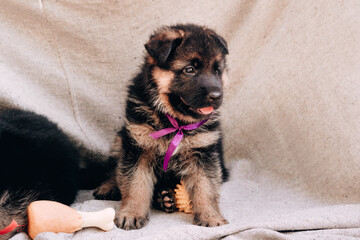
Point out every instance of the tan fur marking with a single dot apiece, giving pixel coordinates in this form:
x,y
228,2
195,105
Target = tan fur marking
x,y
137,191
163,79
219,57
180,64
181,32
200,140
150,60
116,148
204,194
169,34
140,132
172,34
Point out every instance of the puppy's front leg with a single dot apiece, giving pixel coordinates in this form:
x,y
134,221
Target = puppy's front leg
x,y
204,195
136,185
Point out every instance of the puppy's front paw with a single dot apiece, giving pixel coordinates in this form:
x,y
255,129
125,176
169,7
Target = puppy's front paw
x,y
209,221
129,221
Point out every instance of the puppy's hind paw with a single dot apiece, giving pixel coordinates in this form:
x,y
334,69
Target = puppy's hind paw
x,y
165,200
104,192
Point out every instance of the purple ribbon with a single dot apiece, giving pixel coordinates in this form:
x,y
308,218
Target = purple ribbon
x,y
178,137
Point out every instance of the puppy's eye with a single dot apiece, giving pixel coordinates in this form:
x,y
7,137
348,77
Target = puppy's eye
x,y
189,70
217,70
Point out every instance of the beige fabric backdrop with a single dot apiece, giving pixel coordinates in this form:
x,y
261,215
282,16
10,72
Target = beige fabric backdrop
x,y
292,106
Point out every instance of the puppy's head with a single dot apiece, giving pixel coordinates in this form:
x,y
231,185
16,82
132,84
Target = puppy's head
x,y
187,64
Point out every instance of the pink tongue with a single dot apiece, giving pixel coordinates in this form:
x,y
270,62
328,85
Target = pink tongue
x,y
206,110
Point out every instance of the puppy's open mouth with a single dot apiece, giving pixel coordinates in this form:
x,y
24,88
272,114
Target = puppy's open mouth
x,y
205,110
202,111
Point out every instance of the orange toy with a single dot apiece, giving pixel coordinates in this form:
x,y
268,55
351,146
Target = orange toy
x,y
49,216
182,200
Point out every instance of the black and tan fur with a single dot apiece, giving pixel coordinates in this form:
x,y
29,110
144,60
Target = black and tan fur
x,y
184,71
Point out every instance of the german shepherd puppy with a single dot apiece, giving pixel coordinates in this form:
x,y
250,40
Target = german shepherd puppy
x,y
182,77
38,162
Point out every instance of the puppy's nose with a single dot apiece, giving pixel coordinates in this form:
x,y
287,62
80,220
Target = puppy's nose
x,y
214,95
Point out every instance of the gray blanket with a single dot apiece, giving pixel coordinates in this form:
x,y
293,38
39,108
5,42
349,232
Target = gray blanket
x,y
290,117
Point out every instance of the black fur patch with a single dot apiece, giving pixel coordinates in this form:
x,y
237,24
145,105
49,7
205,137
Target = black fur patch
x,y
38,162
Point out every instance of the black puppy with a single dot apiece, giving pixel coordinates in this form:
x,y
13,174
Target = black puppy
x,y
179,84
38,162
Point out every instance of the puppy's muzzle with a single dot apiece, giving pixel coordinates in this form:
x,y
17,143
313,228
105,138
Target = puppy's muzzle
x,y
211,89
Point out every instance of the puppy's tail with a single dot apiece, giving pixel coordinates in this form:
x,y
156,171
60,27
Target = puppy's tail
x,y
13,206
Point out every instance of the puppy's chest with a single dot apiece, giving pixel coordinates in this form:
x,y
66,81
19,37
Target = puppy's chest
x,y
141,134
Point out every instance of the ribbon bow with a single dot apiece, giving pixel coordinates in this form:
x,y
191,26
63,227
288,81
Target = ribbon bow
x,y
10,227
178,137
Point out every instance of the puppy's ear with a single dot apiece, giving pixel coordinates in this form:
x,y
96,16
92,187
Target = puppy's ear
x,y
221,41
163,43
